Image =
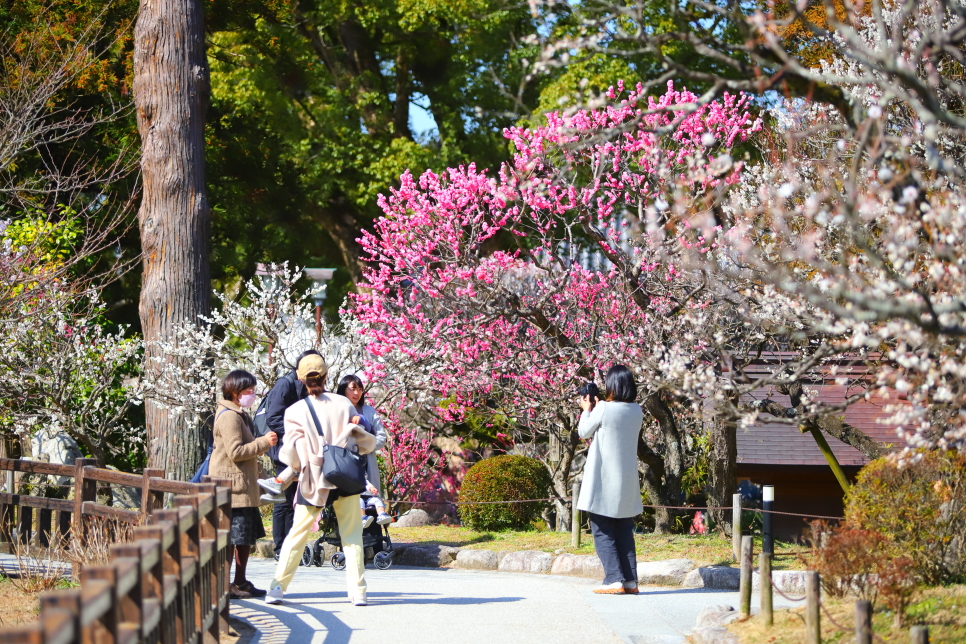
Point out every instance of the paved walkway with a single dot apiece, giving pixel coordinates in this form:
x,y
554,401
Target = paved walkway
x,y
429,606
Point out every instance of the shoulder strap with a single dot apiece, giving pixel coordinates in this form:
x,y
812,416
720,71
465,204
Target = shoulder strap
x,y
315,418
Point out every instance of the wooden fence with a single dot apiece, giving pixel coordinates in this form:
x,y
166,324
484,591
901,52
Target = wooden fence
x,y
169,585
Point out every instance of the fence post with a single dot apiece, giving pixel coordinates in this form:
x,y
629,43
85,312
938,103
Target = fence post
x,y
132,604
764,588
747,544
919,635
736,526
863,622
767,504
67,600
574,516
151,500
813,595
84,490
105,629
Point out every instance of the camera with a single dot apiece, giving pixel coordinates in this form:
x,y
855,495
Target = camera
x,y
589,389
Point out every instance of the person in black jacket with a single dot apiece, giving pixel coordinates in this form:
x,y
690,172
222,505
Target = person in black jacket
x,y
287,391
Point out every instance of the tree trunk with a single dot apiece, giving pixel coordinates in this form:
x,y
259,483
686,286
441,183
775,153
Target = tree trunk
x,y
672,464
723,461
171,93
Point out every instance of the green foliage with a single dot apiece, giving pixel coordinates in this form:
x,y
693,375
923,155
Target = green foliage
x,y
917,508
49,241
503,478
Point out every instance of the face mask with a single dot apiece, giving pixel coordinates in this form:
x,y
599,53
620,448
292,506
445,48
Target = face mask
x,y
246,400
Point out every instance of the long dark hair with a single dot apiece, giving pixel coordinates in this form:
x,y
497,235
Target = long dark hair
x,y
348,380
620,385
236,382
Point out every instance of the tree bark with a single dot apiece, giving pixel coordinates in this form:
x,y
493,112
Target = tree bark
x,y
171,88
722,474
673,463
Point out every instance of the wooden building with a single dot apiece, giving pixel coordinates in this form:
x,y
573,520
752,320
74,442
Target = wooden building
x,y
772,453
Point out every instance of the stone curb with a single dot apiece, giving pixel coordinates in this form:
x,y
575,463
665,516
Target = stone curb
x,y
671,572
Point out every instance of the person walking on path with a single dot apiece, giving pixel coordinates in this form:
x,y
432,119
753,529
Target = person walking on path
x,y
611,490
352,387
287,391
302,450
234,457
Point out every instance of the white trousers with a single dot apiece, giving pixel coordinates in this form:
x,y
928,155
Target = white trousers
x,y
350,531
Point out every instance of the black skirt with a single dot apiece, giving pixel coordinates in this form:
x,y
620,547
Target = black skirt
x,y
246,526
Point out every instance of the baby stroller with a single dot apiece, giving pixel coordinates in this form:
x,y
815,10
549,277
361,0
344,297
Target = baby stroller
x,y
376,543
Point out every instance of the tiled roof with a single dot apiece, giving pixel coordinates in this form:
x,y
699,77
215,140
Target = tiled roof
x,y
775,443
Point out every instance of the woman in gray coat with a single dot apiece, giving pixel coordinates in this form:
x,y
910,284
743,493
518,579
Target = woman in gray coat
x,y
611,490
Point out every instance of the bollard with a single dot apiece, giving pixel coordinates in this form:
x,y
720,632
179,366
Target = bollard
x,y
744,588
919,635
575,516
765,589
767,503
736,526
863,622
813,595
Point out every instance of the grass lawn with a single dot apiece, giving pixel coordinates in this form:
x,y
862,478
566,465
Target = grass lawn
x,y
942,609
703,550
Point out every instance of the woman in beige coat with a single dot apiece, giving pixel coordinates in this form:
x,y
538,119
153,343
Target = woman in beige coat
x,y
234,457
302,450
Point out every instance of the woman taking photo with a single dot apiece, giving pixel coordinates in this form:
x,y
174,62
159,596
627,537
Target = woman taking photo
x,y
234,457
611,489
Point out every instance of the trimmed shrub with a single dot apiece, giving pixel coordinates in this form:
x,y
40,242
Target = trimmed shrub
x,y
919,509
503,478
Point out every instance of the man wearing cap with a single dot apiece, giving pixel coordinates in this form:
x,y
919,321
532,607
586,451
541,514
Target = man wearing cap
x,y
301,449
287,391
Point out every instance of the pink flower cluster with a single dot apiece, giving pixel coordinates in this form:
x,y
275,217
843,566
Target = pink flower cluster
x,y
504,292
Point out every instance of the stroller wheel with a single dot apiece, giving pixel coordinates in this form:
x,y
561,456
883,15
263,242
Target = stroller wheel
x,y
338,561
306,556
383,559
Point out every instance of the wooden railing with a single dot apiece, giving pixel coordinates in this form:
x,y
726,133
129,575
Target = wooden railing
x,y
169,585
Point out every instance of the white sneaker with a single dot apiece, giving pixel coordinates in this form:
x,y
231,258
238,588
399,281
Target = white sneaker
x,y
367,521
274,595
273,498
271,485
360,599
383,519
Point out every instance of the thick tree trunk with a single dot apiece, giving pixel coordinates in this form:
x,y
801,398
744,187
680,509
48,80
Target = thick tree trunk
x,y
722,473
171,93
673,463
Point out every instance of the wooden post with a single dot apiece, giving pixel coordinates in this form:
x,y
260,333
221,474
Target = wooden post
x,y
151,500
765,589
736,526
863,622
744,587
813,595
132,603
919,635
104,630
25,520
575,516
64,600
84,490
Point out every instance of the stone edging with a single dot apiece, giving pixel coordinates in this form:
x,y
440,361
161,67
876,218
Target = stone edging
x,y
672,572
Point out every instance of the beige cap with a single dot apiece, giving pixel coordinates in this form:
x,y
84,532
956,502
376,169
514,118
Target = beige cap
x,y
311,365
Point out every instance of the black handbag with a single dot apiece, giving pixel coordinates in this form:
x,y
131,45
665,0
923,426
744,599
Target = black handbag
x,y
342,467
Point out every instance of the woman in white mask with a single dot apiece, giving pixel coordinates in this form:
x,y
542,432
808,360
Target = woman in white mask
x,y
234,457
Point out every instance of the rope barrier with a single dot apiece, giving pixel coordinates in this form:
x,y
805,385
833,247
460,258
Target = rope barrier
x,y
791,599
567,498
